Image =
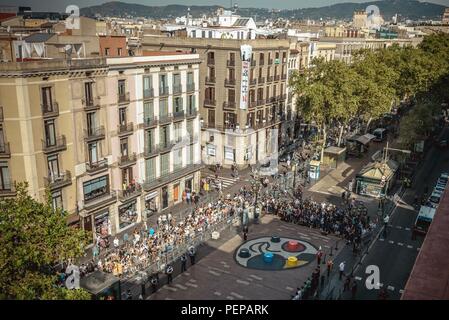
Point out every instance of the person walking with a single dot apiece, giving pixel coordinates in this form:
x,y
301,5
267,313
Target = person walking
x,y
354,290
129,295
169,273
341,268
192,255
154,282
386,221
330,265
183,263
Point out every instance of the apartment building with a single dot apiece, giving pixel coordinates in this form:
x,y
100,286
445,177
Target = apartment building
x,y
102,135
243,95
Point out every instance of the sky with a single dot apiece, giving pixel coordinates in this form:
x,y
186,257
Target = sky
x,y
60,5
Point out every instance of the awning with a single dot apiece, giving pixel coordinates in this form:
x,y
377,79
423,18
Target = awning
x,y
365,139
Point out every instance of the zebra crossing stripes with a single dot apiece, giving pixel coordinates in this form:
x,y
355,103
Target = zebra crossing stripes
x,y
227,182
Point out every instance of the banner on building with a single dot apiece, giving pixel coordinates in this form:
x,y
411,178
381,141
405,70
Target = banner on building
x,y
246,52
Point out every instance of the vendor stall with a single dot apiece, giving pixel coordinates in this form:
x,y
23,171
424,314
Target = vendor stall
x,y
357,144
102,285
333,156
376,178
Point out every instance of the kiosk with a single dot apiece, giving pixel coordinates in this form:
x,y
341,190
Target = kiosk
x,y
314,169
102,285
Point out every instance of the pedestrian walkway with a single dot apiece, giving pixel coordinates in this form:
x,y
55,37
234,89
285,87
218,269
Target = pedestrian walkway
x,y
227,182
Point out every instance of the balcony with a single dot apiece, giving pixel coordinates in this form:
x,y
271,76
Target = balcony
x,y
230,63
50,111
229,105
277,77
163,91
5,152
165,118
151,150
252,104
273,99
191,113
96,167
253,82
151,184
150,122
1,114
261,80
253,63
179,115
262,62
270,79
91,104
148,93
59,144
270,61
127,160
101,200
211,61
92,134
125,129
229,82
210,80
177,89
59,180
190,87
210,103
131,192
284,77
282,97
166,146
123,97
261,102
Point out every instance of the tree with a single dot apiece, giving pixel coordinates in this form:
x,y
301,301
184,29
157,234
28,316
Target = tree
x,y
33,239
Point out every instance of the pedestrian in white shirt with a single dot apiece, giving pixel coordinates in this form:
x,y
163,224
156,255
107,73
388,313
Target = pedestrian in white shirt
x,y
116,242
342,269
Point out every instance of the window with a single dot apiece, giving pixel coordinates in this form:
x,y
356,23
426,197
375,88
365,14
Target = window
x,y
177,83
189,128
232,56
119,51
164,136
163,84
56,200
147,87
211,73
210,93
50,133
124,147
177,128
88,93
149,141
93,152
190,104
122,116
127,214
150,169
165,164
46,98
148,111
231,95
261,58
53,167
5,178
190,154
211,117
2,140
106,51
177,104
190,78
177,159
231,74
163,108
121,87
96,188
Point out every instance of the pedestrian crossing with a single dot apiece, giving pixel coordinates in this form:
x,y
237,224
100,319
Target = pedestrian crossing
x,y
227,182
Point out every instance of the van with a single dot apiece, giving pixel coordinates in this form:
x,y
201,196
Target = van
x,y
423,221
380,134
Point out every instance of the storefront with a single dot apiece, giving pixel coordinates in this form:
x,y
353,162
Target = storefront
x,y
151,203
127,214
165,197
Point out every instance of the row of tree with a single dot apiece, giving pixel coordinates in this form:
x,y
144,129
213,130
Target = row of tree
x,y
332,94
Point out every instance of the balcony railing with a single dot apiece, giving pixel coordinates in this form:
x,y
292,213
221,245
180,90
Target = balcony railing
x,y
190,87
127,160
211,61
273,99
148,93
253,63
165,146
229,82
1,114
170,176
210,80
282,97
100,200
210,103
59,144
277,77
270,61
177,89
5,151
92,134
262,62
260,102
284,77
252,104
123,98
230,63
151,150
191,113
126,128
252,82
229,104
91,104
270,79
179,115
165,118
164,91
261,80
49,111
94,167
59,180
8,190
150,121
131,191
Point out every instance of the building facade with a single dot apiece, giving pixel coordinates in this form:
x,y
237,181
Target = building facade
x,y
101,136
243,96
